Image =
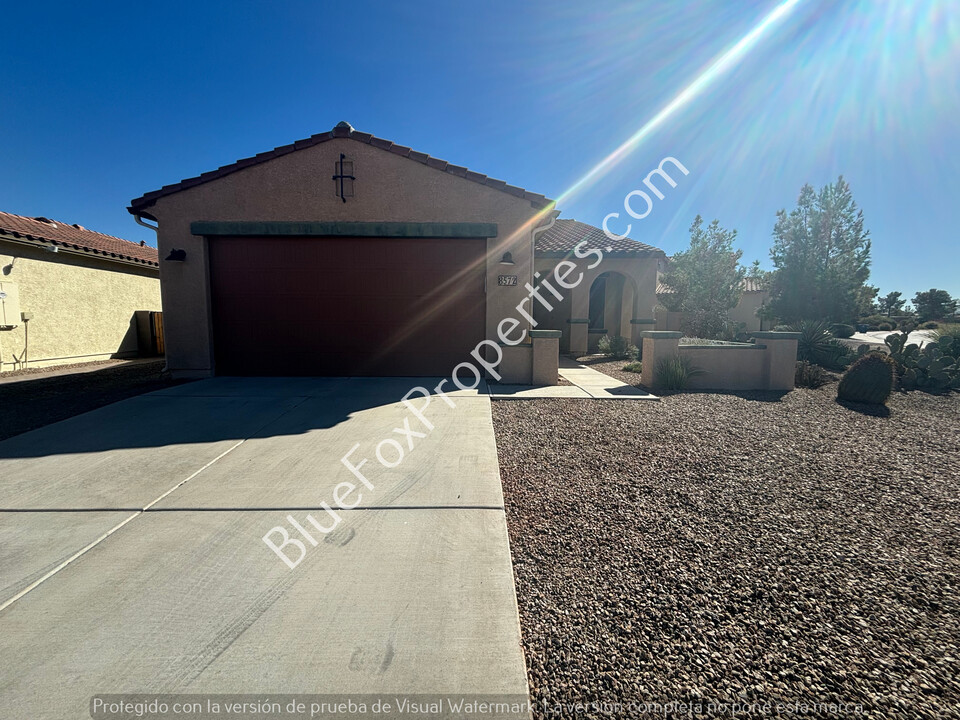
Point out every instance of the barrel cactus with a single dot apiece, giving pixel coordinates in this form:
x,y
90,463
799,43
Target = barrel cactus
x,y
869,380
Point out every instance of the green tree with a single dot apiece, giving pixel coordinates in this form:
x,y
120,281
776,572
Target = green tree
x,y
755,272
934,304
892,303
821,253
706,279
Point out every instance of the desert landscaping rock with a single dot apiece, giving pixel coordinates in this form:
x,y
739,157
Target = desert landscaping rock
x,y
737,548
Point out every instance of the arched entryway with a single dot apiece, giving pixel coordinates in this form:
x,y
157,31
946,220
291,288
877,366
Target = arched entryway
x,y
612,299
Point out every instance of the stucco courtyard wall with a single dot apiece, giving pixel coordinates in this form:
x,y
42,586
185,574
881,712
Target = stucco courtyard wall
x,y
82,307
298,186
769,363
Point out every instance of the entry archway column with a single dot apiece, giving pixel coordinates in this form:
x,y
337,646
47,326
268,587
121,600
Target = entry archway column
x,y
579,319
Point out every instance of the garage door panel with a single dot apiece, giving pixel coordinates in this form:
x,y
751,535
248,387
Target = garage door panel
x,y
346,306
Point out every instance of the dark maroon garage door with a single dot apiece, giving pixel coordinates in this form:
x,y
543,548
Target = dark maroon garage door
x,y
346,306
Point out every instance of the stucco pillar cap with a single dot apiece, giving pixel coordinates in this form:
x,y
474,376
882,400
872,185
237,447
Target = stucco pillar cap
x,y
774,335
661,334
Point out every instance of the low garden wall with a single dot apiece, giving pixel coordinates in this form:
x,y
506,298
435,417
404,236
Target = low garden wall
x,y
767,363
532,363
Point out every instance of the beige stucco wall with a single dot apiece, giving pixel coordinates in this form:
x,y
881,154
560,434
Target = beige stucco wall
x,y
746,310
732,367
83,307
768,364
299,187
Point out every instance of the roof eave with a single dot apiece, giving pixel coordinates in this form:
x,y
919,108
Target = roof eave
x,y
138,205
73,249
624,254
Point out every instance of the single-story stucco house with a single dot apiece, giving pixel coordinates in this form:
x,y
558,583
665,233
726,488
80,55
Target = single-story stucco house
x,y
347,254
70,295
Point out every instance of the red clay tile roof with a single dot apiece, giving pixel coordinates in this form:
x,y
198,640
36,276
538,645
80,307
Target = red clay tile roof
x,y
566,234
342,130
753,285
76,237
748,285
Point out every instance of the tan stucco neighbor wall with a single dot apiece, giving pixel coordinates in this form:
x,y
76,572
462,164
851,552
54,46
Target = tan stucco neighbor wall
x,y
746,310
82,307
298,186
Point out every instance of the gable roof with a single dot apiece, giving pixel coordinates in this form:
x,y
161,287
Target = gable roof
x,y
76,237
342,130
565,235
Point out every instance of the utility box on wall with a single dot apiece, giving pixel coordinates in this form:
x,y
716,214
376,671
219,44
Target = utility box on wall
x,y
9,305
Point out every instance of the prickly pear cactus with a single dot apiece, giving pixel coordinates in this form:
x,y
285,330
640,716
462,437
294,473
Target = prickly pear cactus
x,y
935,368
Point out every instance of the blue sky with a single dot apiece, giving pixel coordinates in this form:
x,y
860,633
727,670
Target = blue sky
x,y
105,101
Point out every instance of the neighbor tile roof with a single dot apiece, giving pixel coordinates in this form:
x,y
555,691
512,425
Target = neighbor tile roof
x,y
76,237
342,130
753,285
747,284
566,234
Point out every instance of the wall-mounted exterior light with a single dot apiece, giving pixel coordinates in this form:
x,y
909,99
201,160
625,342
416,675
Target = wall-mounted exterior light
x,y
176,256
507,259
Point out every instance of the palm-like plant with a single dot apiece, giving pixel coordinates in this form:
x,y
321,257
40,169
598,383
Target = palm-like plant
x,y
817,345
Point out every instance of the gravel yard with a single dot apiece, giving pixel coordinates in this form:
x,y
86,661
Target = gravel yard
x,y
744,548
39,397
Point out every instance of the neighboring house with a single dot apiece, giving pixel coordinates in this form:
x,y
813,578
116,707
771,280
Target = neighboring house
x,y
754,296
68,294
346,254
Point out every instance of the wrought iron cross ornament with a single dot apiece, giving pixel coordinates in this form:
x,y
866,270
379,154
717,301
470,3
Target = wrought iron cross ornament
x,y
340,176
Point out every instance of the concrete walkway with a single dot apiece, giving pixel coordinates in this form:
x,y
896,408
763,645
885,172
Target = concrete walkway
x,y
585,383
132,559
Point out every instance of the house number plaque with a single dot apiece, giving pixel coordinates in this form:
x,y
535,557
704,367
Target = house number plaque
x,y
506,280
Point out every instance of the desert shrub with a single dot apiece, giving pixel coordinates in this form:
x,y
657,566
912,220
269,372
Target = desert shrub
x,y
878,319
617,347
842,331
929,325
734,332
884,326
810,375
817,345
948,331
673,374
702,341
634,367
869,380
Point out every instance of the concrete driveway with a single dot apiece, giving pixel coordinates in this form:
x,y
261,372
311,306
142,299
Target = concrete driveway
x,y
132,559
